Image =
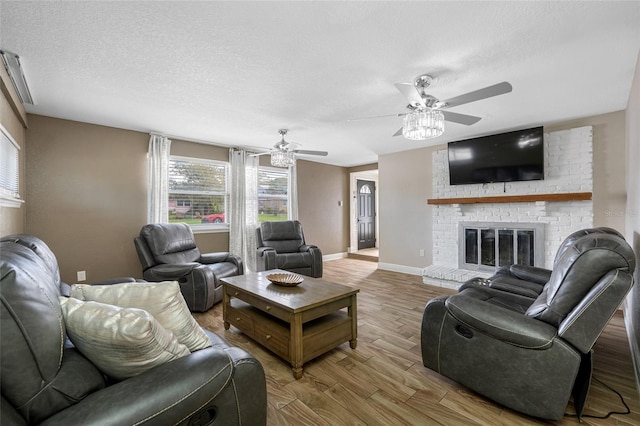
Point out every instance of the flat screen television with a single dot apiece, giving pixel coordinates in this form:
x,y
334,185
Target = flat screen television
x,y
505,157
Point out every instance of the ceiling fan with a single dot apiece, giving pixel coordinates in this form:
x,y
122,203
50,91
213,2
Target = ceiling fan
x,y
428,111
283,153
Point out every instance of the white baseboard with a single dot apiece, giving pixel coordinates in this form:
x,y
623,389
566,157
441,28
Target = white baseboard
x,y
411,270
334,256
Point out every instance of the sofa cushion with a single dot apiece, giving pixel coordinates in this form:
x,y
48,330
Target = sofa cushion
x,y
163,300
121,342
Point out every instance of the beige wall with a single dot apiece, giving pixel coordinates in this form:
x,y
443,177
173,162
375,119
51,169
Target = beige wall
x,y
363,168
632,306
12,220
320,188
405,218
405,186
609,188
86,187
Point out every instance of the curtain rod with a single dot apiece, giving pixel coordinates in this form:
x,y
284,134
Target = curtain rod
x,y
203,142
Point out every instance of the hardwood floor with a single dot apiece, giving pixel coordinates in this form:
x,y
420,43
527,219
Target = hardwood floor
x,y
383,381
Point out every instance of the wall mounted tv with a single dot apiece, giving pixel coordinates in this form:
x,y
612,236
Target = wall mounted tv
x,y
505,157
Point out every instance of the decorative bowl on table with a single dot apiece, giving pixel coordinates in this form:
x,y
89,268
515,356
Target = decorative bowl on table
x,y
286,280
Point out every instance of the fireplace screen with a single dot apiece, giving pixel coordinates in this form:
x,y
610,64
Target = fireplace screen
x,y
485,248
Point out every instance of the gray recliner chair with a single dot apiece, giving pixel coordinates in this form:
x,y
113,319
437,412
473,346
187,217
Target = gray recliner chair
x,y
168,252
529,280
46,380
532,354
281,245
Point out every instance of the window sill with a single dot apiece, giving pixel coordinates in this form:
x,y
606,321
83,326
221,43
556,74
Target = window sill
x,y
11,202
210,229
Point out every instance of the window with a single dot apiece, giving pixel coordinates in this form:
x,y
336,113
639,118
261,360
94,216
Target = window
x,y
273,194
9,170
198,191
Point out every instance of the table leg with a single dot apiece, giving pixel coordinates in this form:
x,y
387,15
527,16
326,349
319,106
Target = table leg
x,y
225,303
295,346
352,311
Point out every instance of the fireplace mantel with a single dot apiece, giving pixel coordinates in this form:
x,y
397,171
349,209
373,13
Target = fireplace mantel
x,y
568,196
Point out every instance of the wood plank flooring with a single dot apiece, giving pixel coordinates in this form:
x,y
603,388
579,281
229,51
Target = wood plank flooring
x,y
383,381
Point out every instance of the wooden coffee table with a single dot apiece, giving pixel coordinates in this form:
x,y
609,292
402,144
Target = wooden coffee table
x,y
296,323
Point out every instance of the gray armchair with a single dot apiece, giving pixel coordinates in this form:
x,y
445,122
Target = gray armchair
x,y
168,252
530,280
281,245
532,354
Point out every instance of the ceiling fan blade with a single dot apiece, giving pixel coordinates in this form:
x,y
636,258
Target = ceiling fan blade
x,y
398,133
410,92
465,119
307,152
400,114
259,154
487,92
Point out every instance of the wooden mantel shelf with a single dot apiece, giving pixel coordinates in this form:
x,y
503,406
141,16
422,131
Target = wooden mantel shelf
x,y
569,196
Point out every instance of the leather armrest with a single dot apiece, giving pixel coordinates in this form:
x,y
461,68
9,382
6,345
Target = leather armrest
x,y
307,247
237,260
262,250
510,284
166,394
117,280
217,257
170,271
65,289
501,323
531,273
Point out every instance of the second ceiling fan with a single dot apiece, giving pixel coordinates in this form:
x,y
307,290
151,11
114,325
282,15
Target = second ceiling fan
x,y
283,153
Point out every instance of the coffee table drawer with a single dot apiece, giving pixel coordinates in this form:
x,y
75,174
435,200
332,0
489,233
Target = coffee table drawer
x,y
259,303
273,336
240,318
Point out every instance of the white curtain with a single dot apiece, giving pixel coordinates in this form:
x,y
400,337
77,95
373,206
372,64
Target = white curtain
x,y
293,192
243,211
158,179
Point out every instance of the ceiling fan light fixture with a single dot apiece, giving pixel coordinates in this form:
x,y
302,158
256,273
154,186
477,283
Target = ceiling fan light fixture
x,y
423,124
283,158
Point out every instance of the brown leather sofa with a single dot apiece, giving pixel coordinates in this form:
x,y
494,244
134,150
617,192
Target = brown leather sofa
x,y
46,380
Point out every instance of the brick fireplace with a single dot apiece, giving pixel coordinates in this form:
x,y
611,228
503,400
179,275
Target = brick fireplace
x,y
568,170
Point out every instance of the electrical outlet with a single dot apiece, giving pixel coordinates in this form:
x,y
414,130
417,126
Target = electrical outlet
x,y
421,252
81,276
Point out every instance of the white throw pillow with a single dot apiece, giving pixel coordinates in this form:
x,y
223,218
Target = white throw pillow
x,y
121,342
163,300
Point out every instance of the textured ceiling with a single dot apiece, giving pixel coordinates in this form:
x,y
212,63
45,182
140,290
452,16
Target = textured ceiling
x,y
233,73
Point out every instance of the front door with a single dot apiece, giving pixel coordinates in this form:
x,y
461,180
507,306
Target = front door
x,y
366,214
